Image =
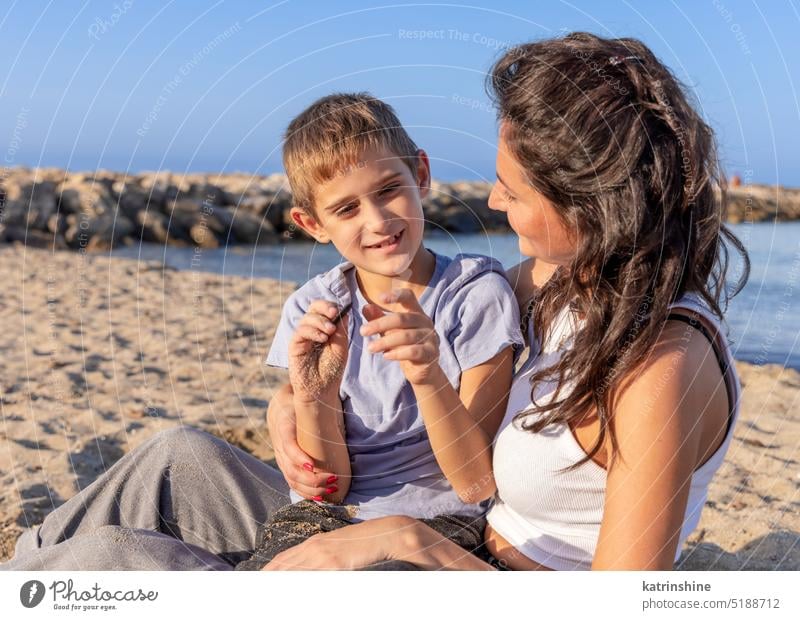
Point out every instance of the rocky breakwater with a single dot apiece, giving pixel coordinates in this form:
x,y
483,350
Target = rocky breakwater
x,y
763,203
49,207
97,211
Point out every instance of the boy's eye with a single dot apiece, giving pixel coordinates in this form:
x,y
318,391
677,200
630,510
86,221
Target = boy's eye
x,y
346,209
388,189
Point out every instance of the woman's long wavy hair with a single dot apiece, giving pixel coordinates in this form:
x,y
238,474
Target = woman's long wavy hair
x,y
606,133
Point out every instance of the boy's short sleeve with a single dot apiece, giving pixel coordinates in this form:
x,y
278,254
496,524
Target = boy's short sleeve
x,y
293,311
330,286
486,320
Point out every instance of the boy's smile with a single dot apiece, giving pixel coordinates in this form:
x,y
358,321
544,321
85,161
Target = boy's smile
x,y
372,212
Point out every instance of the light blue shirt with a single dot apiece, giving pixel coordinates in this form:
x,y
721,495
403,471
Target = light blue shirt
x,y
394,471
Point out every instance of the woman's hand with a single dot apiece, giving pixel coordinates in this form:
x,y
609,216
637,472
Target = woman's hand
x,y
297,467
377,540
408,336
349,548
318,352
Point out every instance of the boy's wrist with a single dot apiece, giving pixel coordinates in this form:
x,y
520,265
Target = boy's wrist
x,y
322,399
434,378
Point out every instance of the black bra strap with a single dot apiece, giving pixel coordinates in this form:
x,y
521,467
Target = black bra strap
x,y
723,364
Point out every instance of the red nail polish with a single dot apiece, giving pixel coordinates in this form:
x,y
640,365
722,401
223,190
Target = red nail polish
x,y
308,467
332,479
332,489
317,498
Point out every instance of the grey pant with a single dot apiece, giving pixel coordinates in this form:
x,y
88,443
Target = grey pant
x,y
184,500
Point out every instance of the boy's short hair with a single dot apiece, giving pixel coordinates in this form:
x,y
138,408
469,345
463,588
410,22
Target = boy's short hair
x,y
329,136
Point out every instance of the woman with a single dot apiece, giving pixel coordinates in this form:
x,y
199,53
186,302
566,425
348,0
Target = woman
x,y
625,408
615,424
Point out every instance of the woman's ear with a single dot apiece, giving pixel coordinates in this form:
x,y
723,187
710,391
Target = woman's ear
x,y
423,173
306,221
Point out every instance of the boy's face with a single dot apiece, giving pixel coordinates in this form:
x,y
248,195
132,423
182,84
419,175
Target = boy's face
x,y
372,212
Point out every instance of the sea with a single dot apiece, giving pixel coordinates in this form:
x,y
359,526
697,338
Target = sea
x,y
763,319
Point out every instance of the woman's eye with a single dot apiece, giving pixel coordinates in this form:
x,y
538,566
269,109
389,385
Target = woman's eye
x,y
508,197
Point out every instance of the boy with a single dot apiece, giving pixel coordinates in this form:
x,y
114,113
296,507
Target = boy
x,y
399,359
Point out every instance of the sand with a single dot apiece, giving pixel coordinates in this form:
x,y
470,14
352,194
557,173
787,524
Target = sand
x,y
99,354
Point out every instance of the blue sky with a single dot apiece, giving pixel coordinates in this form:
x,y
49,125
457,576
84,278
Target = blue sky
x,y
210,85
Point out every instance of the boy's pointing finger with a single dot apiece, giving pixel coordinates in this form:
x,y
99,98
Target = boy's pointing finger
x,y
404,297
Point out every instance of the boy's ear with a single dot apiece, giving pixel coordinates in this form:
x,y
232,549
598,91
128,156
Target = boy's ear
x,y
309,223
423,173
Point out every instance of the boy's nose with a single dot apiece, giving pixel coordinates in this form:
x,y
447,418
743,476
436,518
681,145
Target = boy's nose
x,y
376,218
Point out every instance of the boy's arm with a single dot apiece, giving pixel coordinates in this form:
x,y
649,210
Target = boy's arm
x,y
297,466
320,434
318,353
461,425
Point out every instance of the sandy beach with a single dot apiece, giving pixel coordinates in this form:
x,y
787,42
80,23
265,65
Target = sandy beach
x,y
99,354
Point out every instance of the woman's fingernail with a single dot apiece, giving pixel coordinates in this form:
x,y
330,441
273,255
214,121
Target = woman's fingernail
x,y
308,467
363,330
317,498
331,489
332,479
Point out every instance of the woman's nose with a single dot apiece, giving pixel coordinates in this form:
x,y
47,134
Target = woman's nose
x,y
495,202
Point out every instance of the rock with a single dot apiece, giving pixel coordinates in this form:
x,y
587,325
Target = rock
x,y
100,233
182,216
209,194
203,236
69,200
56,223
31,238
159,188
474,197
131,199
248,228
757,203
15,213
279,207
35,202
273,207
153,226
77,196
459,219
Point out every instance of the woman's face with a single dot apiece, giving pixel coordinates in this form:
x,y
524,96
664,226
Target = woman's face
x,y
534,218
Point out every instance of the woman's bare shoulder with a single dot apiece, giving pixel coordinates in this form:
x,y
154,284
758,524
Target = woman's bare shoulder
x,y
679,386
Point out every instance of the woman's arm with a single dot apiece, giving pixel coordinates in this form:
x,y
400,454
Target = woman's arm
x,y
659,416
378,540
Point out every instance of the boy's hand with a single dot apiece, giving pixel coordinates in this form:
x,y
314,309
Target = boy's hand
x,y
318,353
407,336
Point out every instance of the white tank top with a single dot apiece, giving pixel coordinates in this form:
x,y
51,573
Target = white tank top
x,y
554,517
